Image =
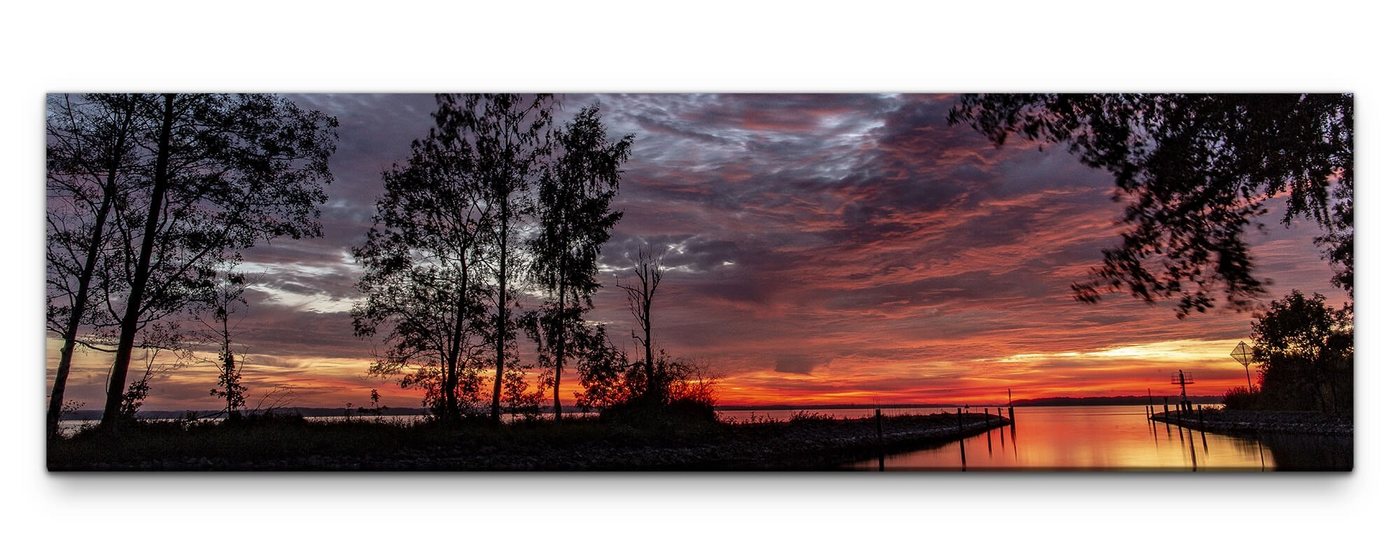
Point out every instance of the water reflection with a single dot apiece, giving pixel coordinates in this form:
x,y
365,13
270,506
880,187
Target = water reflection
x,y
1121,437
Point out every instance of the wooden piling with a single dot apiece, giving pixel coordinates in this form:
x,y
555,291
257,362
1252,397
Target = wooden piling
x,y
962,449
1011,415
962,453
880,437
879,430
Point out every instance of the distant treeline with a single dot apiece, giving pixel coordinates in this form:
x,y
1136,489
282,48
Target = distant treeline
x,y
411,411
1048,401
289,411
1118,400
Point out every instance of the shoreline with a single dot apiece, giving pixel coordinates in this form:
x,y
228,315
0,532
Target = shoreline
x,y
1254,422
816,443
336,412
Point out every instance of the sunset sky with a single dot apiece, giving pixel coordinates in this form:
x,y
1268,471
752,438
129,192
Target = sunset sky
x,y
820,249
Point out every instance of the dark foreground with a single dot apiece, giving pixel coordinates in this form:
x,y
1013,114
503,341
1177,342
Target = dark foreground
x,y
804,443
1299,441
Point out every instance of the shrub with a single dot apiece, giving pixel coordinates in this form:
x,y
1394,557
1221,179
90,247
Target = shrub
x,y
1240,398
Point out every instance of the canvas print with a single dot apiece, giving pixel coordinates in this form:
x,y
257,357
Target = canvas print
x,y
751,282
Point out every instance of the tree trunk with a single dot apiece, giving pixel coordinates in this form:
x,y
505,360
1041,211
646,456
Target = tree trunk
x,y
653,384
70,330
453,408
117,382
229,369
1336,404
500,320
559,349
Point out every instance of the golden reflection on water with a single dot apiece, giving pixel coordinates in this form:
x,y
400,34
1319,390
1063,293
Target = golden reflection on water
x,y
1089,437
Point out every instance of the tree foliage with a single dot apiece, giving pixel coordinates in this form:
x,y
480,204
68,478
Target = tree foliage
x,y
502,139
222,303
611,382
220,173
601,369
446,250
149,192
1196,171
91,151
575,218
1304,349
423,282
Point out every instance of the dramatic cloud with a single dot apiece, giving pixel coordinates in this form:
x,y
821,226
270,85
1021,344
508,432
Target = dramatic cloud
x,y
818,248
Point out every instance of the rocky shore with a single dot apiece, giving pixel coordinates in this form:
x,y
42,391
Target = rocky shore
x,y
1251,422
806,443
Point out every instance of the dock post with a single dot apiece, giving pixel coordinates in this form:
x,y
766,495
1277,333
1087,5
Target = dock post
x,y
880,437
1011,413
962,449
879,430
987,418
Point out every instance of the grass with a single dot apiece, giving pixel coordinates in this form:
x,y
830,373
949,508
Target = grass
x,y
806,442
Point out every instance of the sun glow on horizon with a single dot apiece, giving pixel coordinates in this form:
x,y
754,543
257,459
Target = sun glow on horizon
x,y
1170,351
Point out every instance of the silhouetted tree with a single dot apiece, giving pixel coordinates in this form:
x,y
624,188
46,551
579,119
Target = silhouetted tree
x,y
99,165
602,368
501,138
1304,349
640,297
1196,170
227,171
424,266
223,301
91,148
677,388
575,220
689,381
518,397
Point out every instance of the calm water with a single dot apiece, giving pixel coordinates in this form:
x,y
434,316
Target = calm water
x,y
1117,437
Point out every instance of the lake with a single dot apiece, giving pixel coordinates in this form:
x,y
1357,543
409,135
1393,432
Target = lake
x,y
1117,438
